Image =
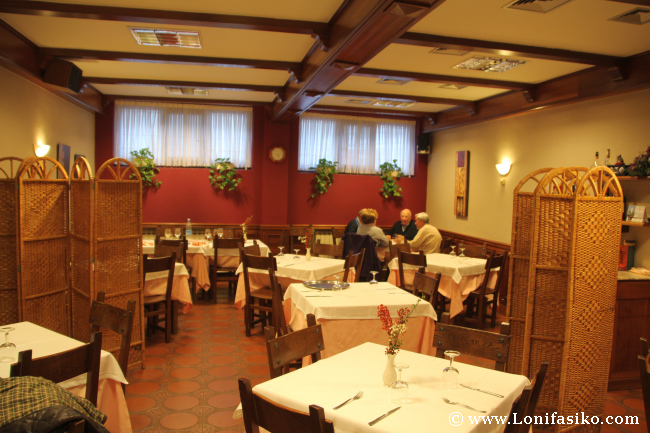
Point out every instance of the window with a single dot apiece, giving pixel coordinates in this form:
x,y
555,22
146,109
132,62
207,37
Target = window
x,y
359,144
184,135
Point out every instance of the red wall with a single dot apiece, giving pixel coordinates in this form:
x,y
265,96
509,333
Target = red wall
x,y
274,193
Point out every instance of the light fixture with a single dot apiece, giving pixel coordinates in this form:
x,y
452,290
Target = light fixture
x,y
489,64
504,169
41,149
166,37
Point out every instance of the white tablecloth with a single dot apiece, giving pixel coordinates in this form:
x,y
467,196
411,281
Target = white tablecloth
x,y
331,381
156,284
44,342
451,266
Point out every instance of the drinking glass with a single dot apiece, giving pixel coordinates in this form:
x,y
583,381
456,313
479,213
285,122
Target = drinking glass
x,y
296,251
399,390
168,233
8,350
281,253
336,285
219,232
450,374
208,235
177,233
461,247
453,250
374,280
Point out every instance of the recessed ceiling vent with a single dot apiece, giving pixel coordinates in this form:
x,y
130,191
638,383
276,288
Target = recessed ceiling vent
x,y
448,51
394,104
635,16
358,101
535,5
394,81
187,91
452,86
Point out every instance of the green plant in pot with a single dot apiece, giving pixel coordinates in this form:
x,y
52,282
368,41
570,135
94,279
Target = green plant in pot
x,y
223,174
324,171
143,160
390,174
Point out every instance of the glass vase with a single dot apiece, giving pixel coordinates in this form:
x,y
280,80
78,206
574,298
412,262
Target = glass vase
x,y
390,374
308,255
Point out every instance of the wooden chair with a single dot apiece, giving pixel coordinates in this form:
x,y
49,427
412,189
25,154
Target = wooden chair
x,y
262,413
425,286
157,305
335,251
354,261
391,253
253,250
472,342
415,259
165,247
65,365
525,405
278,319
286,349
445,245
116,319
223,273
476,251
644,371
258,304
294,232
478,300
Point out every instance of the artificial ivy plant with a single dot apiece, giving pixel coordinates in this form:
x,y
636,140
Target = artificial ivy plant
x,y
390,174
143,160
324,171
223,174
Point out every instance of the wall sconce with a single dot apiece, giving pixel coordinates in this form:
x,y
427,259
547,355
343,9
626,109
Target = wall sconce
x,y
503,169
41,149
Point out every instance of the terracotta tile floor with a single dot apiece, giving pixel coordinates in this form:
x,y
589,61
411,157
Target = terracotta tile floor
x,y
190,385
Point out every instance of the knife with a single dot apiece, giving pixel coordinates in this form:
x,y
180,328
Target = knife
x,y
482,390
376,420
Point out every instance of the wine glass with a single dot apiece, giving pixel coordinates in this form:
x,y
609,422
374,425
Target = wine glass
x,y
208,235
219,232
177,232
281,247
168,233
450,374
461,247
399,389
453,250
296,250
336,285
374,280
8,350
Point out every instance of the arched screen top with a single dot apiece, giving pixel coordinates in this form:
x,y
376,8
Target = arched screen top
x,y
41,168
530,182
599,182
9,167
561,181
118,169
81,169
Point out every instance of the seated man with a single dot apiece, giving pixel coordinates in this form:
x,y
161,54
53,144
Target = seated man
x,y
428,238
404,227
367,227
352,225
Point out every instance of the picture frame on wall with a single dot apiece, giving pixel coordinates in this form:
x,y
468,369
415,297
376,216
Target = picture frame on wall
x,y
63,156
461,183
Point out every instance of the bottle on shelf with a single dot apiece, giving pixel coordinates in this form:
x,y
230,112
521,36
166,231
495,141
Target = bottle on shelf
x,y
595,164
607,158
188,229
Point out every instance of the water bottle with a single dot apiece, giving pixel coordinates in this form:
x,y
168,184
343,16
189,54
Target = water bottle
x,y
188,229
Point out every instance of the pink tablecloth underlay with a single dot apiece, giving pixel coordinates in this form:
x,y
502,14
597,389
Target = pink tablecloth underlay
x,y
111,402
180,289
456,292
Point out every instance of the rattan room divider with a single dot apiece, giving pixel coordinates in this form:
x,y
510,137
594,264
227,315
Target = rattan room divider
x,y
8,264
570,295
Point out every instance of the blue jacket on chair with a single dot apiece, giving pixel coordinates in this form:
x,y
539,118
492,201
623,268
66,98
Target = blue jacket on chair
x,y
354,242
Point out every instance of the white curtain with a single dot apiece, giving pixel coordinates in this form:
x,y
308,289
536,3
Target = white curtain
x,y
184,135
359,144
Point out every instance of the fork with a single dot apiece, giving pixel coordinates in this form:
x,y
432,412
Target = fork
x,y
356,397
461,404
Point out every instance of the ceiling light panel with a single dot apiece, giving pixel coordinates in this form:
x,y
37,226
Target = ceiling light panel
x,y
449,51
394,104
187,91
166,38
635,16
535,5
358,101
393,81
488,64
452,86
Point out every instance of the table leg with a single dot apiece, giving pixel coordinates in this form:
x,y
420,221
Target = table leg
x,y
175,307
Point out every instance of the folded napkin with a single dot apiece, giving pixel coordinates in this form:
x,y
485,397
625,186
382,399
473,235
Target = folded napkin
x,y
642,271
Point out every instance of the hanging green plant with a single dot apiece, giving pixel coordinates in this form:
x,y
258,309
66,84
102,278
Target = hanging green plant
x,y
143,160
325,171
223,174
390,174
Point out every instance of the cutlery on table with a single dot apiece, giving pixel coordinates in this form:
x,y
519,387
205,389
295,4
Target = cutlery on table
x,y
482,390
356,397
376,420
463,405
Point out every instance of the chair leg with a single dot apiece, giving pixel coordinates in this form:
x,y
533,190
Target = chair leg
x,y
480,311
247,319
168,321
495,307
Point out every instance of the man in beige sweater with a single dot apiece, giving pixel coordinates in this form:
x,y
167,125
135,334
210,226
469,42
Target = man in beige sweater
x,y
428,238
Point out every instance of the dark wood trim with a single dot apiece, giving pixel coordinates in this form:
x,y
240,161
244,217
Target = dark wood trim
x,y
155,16
394,97
72,54
143,82
442,79
592,83
504,48
333,109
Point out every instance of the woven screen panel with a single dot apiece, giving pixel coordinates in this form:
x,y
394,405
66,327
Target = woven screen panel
x,y
41,311
8,262
81,284
118,209
46,205
554,231
515,356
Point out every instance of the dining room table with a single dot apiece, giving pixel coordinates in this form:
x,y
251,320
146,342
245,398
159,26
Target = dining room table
x,y
349,316
331,381
292,268
44,342
459,276
200,254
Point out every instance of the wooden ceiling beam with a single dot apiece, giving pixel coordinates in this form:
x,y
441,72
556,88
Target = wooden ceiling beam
x,y
155,16
172,83
506,49
72,54
198,100
359,30
369,111
443,79
394,97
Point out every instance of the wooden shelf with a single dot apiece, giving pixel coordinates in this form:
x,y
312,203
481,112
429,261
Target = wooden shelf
x,y
633,177
634,224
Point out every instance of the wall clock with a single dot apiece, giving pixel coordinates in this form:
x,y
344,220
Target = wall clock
x,y
277,154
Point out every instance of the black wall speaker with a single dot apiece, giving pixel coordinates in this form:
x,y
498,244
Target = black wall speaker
x,y
64,74
424,143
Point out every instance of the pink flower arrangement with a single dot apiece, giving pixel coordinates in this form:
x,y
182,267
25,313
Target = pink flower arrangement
x,y
396,327
308,235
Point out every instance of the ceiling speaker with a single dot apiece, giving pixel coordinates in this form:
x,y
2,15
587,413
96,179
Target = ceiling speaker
x,y
63,73
424,143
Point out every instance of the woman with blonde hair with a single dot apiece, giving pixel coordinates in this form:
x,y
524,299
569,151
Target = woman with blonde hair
x,y
368,218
